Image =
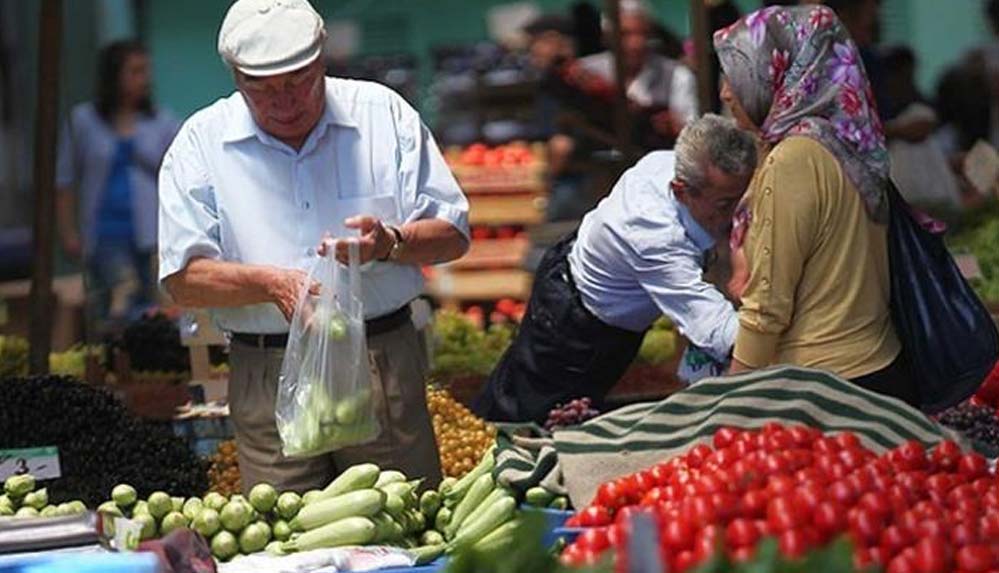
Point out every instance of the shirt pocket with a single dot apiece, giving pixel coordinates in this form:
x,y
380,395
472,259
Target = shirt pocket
x,y
364,169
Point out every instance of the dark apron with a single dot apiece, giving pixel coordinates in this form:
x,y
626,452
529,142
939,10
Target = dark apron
x,y
561,350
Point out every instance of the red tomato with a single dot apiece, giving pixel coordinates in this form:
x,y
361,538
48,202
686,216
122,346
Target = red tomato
x,y
809,497
901,564
678,535
709,483
754,503
974,558
612,495
932,556
654,497
964,534
810,474
793,543
594,516
644,482
661,473
913,455
725,437
741,533
783,514
593,539
726,505
706,541
684,561
776,465
826,445
722,458
876,503
973,466
990,525
848,441
843,493
743,554
851,458
946,455
867,525
829,517
932,528
780,485
982,486
894,539
625,515
802,436
697,455
779,441
702,511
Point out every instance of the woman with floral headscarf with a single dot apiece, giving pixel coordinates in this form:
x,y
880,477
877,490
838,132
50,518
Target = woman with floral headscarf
x,y
812,231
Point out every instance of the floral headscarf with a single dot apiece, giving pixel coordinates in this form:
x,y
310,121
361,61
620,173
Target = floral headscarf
x,y
797,72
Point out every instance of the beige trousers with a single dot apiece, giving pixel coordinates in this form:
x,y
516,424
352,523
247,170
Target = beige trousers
x,y
406,442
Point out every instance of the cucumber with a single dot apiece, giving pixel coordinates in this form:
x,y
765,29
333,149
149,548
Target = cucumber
x,y
538,497
442,519
476,494
560,503
405,491
389,476
485,522
431,537
361,503
500,540
348,531
461,487
394,505
427,553
361,476
430,503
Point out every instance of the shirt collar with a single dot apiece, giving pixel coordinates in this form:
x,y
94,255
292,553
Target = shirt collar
x,y
242,126
701,238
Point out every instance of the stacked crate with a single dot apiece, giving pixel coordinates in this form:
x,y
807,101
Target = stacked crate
x,y
507,193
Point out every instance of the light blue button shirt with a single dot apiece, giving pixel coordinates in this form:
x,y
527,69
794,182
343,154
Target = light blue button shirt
x,y
87,149
639,255
231,192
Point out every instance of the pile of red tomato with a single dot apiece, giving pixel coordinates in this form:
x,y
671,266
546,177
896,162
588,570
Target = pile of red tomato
x,y
908,510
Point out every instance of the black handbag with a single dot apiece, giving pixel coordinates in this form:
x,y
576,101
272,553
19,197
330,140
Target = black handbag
x,y
946,332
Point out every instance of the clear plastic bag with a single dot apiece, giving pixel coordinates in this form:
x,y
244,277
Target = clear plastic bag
x,y
324,399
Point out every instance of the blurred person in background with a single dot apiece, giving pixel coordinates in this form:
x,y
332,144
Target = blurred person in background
x,y
662,86
919,167
106,205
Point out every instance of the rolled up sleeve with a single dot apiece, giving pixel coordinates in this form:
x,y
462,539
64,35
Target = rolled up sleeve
x,y
188,214
785,211
429,189
699,311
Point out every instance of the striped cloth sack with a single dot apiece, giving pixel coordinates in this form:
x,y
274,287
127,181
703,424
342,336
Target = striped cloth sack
x,y
636,437
525,458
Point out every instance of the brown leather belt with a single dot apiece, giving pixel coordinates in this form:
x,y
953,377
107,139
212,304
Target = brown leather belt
x,y
373,327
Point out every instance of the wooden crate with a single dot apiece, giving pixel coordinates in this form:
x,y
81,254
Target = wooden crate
x,y
514,179
493,254
447,286
507,209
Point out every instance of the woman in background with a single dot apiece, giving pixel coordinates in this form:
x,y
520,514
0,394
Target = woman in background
x,y
109,157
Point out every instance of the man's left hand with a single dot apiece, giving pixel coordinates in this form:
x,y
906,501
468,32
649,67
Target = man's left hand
x,y
375,241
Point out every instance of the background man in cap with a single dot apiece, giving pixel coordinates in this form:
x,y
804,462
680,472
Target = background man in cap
x,y
249,188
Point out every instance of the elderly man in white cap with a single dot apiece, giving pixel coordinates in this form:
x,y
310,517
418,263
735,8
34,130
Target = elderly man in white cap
x,y
248,190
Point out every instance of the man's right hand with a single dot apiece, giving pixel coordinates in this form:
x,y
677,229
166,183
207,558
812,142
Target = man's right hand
x,y
284,287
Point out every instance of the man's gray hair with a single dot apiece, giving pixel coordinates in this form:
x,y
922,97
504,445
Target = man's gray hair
x,y
712,140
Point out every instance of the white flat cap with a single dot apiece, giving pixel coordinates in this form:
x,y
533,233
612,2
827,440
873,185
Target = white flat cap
x,y
270,37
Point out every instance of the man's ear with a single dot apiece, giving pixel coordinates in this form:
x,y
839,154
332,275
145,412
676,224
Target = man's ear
x,y
680,191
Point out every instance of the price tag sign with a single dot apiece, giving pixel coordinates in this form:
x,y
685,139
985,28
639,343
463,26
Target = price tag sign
x,y
43,463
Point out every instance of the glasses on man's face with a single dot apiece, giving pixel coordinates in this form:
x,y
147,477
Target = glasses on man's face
x,y
294,83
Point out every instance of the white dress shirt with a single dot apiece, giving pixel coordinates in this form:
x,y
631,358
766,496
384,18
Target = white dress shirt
x,y
640,255
231,192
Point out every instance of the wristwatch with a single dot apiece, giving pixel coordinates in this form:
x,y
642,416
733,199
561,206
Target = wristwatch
x,y
397,244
